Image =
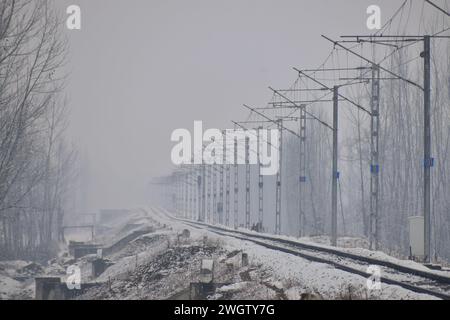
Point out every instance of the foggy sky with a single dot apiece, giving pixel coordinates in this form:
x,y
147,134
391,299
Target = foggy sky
x,y
142,68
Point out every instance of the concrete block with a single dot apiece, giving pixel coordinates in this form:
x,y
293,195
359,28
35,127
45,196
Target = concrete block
x,y
48,288
207,271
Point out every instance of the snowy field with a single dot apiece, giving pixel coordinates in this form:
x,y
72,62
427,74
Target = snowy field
x,y
161,265
297,276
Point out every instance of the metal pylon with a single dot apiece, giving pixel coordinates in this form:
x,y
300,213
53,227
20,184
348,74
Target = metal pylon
x,y
374,158
302,173
278,181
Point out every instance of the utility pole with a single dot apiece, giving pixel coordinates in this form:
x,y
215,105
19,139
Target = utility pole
x,y
222,186
173,194
181,195
221,195
193,190
374,158
428,161
188,195
247,183
199,192
236,186
185,195
302,172
278,181
203,183
209,178
260,187
181,192
335,176
176,195
372,223
214,187
227,194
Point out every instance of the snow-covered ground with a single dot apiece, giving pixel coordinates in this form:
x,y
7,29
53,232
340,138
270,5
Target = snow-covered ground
x,y
302,277
16,279
350,245
160,264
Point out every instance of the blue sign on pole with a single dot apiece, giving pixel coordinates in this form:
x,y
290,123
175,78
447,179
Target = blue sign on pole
x,y
428,163
375,168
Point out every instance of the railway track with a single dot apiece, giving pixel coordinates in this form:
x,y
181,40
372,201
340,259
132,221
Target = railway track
x,y
418,281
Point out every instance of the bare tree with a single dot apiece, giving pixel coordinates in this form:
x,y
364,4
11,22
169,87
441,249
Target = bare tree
x,y
32,122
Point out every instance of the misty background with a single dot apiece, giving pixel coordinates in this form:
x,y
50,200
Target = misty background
x,y
140,69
